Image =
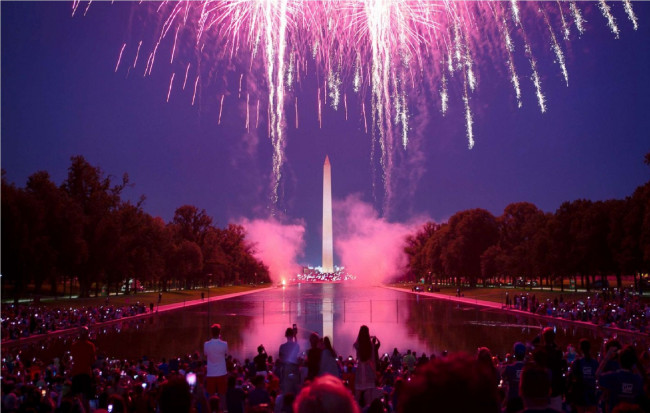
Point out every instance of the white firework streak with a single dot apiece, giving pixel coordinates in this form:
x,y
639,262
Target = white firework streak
x,y
577,17
627,4
510,48
248,116
196,84
403,118
119,58
468,119
444,96
171,82
565,26
515,11
471,79
541,100
555,46
611,21
137,53
187,71
334,86
220,110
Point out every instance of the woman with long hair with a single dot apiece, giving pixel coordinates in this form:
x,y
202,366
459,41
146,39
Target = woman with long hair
x,y
328,362
365,376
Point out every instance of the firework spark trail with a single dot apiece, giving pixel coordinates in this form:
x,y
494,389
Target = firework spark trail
x,y
510,48
187,71
137,53
515,12
444,97
320,112
88,7
385,51
75,6
627,4
578,20
565,27
196,84
174,48
119,58
365,121
171,82
555,46
220,110
611,21
248,118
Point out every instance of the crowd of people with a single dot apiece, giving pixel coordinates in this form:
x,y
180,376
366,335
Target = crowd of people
x,y
324,277
534,377
317,276
25,320
620,309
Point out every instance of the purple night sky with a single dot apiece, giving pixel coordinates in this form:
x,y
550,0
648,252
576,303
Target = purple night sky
x,y
62,97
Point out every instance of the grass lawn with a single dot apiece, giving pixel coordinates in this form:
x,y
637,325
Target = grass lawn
x,y
498,294
169,297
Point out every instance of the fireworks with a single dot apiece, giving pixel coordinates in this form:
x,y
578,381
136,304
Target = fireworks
x,y
385,51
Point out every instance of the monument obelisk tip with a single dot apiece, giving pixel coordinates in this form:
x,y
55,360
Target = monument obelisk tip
x,y
327,160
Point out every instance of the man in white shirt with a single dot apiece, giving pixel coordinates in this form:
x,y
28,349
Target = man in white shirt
x,y
215,351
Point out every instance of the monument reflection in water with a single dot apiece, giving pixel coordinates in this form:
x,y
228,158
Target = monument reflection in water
x,y
398,319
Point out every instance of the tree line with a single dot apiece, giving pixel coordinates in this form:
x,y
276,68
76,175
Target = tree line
x,y
83,230
582,242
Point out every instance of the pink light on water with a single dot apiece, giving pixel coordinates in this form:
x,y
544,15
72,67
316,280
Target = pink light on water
x,y
387,52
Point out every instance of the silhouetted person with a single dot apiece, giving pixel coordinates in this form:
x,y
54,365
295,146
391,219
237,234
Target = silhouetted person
x,y
313,356
365,374
457,383
288,357
535,389
622,385
582,380
175,396
83,357
215,351
550,356
326,394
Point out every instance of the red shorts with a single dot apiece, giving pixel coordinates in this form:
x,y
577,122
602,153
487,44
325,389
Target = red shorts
x,y
216,384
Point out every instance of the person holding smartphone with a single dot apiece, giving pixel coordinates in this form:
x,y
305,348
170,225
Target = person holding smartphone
x,y
290,377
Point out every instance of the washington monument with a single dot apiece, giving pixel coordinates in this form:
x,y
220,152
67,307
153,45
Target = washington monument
x,y
328,248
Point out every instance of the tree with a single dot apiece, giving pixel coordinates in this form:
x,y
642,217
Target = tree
x,y
97,197
518,226
416,253
472,232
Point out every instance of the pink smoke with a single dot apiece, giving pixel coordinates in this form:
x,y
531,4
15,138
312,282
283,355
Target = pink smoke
x,y
278,245
368,245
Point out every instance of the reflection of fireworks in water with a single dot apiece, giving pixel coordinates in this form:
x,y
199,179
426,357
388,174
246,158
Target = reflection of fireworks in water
x,y
384,50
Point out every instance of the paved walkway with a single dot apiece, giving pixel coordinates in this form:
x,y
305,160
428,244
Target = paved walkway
x,y
157,309
500,307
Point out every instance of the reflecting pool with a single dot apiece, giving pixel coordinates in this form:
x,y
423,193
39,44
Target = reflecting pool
x,y
398,319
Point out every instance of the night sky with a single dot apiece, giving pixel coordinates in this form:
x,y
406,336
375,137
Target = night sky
x,y
62,97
